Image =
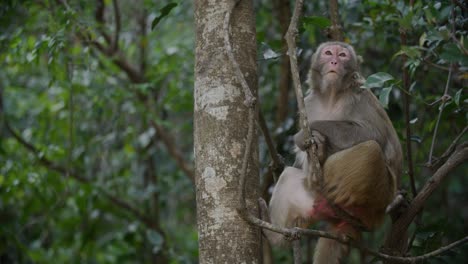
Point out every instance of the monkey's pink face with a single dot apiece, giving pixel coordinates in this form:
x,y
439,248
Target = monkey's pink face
x,y
334,59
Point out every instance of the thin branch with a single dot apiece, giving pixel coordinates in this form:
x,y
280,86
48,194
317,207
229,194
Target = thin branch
x,y
66,172
250,102
173,150
295,233
99,16
125,205
444,97
115,42
407,102
449,150
278,161
335,28
457,158
143,40
40,155
283,13
249,98
461,5
315,179
427,61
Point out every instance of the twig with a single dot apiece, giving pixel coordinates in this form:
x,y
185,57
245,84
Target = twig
x,y
99,16
295,232
459,4
406,98
444,101
335,28
449,150
67,172
143,40
115,42
457,158
278,162
250,102
314,180
249,98
173,150
40,156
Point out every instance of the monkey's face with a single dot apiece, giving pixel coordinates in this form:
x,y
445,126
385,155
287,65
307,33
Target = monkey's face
x,y
334,60
333,65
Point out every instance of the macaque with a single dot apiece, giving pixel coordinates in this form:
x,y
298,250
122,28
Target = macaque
x,y
357,147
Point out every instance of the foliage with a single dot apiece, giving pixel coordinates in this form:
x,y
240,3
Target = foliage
x,y
83,112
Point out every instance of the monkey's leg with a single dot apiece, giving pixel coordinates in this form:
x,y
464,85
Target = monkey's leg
x,y
329,251
357,179
290,201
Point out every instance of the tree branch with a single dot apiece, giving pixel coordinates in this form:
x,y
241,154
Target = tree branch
x,y
315,180
457,158
64,171
173,150
115,42
40,156
335,28
295,233
449,151
444,98
406,104
278,161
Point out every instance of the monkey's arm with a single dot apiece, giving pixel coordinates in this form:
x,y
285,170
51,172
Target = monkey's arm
x,y
339,135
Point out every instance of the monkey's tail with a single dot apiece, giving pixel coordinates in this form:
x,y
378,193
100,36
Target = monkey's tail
x,y
329,251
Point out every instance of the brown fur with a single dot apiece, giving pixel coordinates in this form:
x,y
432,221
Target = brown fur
x,y
359,149
349,181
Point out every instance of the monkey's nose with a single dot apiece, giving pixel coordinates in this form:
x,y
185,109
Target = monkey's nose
x,y
334,62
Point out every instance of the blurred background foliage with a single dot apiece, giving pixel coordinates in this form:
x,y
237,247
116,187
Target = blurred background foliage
x,y
96,111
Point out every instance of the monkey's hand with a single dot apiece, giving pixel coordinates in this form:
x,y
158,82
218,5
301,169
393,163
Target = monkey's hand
x,y
316,138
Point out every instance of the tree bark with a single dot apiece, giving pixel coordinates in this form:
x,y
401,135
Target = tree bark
x,y
284,15
220,123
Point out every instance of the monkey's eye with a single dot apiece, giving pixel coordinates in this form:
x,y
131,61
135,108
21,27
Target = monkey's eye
x,y
328,52
342,54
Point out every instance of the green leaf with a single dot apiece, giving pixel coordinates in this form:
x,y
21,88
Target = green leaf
x,y
268,52
377,80
155,239
457,96
452,53
164,12
417,139
384,95
413,52
316,21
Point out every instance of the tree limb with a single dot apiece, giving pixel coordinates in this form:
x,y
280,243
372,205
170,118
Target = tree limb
x,y
335,28
173,150
449,151
406,104
457,158
278,161
115,42
64,171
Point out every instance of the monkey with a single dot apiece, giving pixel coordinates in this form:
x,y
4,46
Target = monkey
x,y
358,149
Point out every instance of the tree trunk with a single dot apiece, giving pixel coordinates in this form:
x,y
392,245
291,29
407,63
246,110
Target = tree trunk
x,y
220,134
